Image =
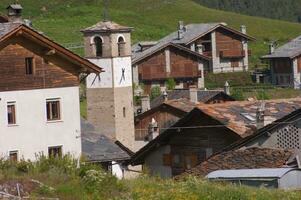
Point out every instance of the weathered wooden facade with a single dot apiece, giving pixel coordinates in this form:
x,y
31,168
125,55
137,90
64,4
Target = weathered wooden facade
x,y
285,64
222,49
206,130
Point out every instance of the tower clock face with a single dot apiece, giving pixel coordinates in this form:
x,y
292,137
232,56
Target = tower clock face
x,y
122,72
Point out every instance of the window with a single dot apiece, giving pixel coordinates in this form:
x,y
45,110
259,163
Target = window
x,y
55,152
98,46
124,113
13,156
53,110
121,46
11,113
29,66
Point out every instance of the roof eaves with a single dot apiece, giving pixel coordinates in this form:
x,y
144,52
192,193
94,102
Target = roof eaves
x,y
58,47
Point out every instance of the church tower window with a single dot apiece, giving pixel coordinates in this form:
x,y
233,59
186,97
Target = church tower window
x,y
121,46
98,46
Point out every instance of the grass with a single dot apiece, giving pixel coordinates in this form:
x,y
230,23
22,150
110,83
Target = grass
x,y
62,20
62,179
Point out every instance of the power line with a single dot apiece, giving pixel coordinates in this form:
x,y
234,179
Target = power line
x,y
210,126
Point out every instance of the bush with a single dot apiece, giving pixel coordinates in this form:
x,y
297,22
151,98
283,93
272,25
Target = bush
x,y
170,84
262,95
155,92
238,95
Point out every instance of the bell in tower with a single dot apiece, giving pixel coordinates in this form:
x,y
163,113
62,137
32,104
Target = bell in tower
x,y
110,95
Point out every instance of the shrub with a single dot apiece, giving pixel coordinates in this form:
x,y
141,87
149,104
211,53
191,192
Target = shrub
x,y
238,95
262,95
155,92
170,84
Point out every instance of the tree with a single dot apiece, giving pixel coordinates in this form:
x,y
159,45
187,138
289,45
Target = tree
x,y
170,84
155,92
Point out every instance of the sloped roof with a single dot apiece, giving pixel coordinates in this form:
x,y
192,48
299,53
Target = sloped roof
x,y
250,173
203,96
291,49
251,158
99,148
15,6
106,26
288,119
193,31
9,29
239,116
230,115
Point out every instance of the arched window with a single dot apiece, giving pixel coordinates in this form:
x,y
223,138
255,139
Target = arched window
x,y
98,46
121,46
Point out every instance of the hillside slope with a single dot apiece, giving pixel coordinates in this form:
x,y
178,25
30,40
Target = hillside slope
x,y
62,20
277,9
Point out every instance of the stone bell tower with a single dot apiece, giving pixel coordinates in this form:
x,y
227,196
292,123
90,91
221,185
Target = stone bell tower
x,y
110,95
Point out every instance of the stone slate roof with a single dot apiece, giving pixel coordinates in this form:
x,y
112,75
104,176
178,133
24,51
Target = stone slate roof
x,y
203,96
15,6
192,32
240,116
5,28
99,148
251,158
291,50
105,26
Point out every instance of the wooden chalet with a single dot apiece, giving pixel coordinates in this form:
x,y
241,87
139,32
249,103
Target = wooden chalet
x,y
189,53
285,64
207,130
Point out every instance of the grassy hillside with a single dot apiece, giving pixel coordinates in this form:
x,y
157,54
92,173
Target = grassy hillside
x,y
63,19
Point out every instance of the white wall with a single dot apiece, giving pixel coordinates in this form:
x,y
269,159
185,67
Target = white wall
x,y
154,162
117,170
33,134
104,80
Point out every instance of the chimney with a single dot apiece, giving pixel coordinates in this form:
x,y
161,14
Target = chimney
x,y
14,13
165,96
193,93
181,30
227,88
243,29
200,49
145,103
260,116
153,130
271,47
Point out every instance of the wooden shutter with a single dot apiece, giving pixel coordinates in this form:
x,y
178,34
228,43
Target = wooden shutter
x,y
167,159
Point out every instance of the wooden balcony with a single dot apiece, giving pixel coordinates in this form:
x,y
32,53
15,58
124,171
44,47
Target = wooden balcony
x,y
233,53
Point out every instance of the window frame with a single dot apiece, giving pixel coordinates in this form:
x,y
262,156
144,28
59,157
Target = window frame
x,y
60,152
11,103
10,153
59,110
121,46
32,66
98,46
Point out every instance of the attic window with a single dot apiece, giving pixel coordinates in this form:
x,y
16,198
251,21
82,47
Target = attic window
x,y
29,66
249,117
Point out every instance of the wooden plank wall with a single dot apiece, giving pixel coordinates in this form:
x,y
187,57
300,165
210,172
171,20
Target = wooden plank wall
x,y
282,65
47,75
227,41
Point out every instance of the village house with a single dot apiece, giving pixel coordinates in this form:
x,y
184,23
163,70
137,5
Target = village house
x,y
207,130
39,92
273,146
285,64
189,53
167,109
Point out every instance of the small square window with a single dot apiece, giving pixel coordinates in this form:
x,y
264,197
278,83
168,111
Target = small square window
x,y
29,66
11,113
53,110
55,152
13,156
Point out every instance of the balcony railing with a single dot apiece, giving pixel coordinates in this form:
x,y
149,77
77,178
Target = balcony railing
x,y
233,53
